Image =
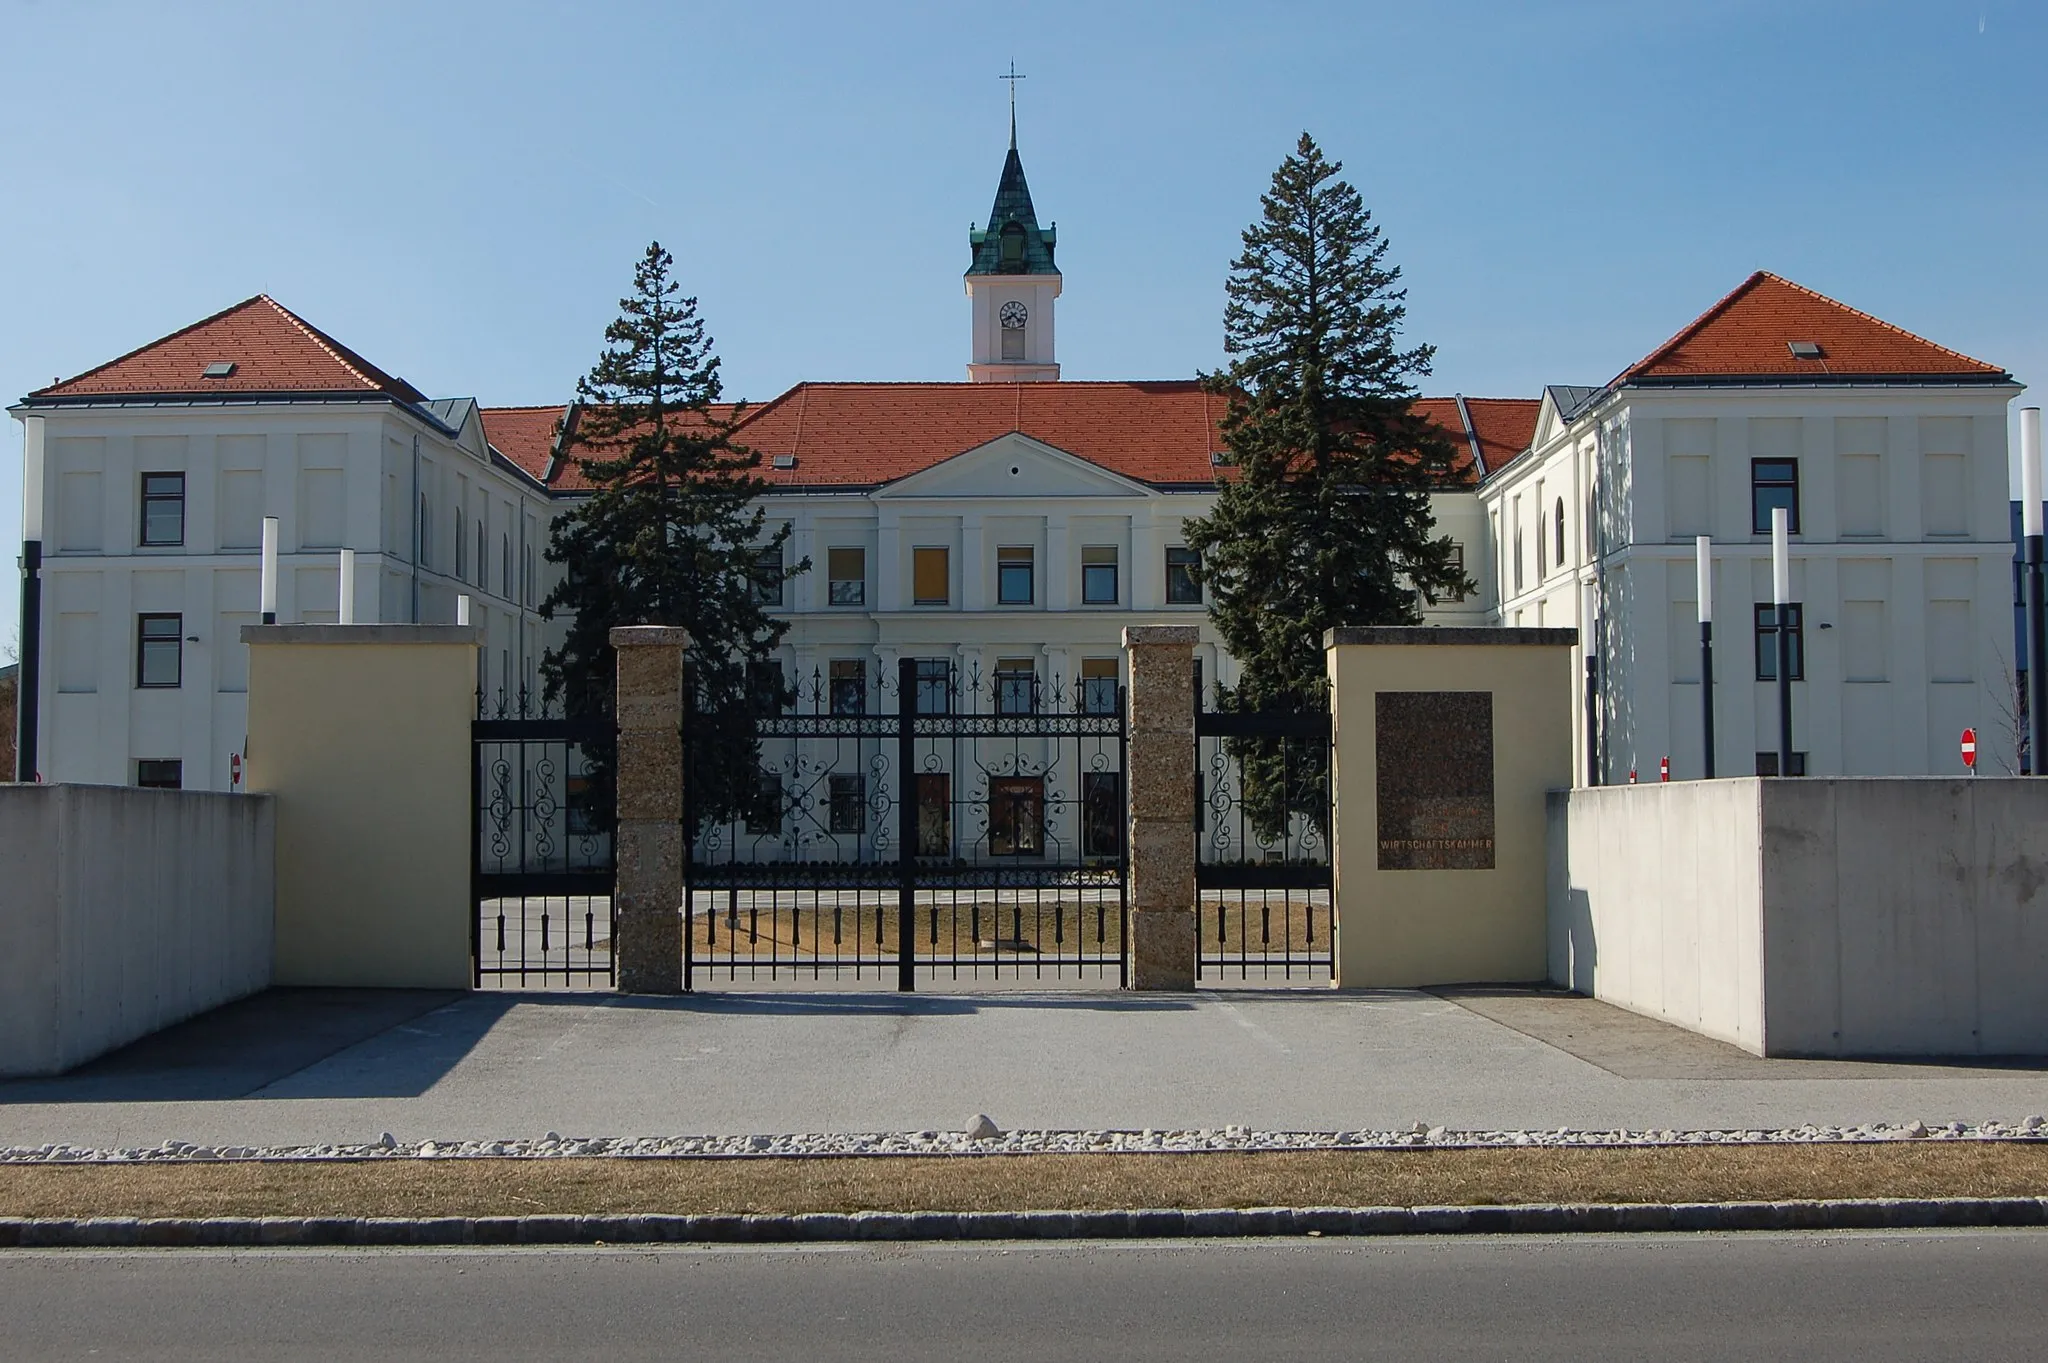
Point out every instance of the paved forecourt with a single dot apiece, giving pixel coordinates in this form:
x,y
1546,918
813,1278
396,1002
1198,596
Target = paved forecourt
x,y
313,1067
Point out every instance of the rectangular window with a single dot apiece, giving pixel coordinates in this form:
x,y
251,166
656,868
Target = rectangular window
x,y
1098,575
1767,764
158,773
163,508
934,814
1773,483
1767,642
767,691
1102,809
584,807
764,815
1016,686
1181,587
1013,343
931,576
848,811
1098,686
934,686
1013,576
1016,816
160,650
849,686
847,576
1457,567
768,576
1515,512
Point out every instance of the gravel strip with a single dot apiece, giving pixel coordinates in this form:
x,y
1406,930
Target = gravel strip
x,y
1205,1140
1144,1223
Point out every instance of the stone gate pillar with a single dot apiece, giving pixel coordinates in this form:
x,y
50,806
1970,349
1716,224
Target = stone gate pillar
x,y
647,895
1161,776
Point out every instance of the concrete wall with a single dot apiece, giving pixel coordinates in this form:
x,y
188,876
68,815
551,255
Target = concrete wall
x,y
126,910
1656,902
1874,916
361,732
1401,928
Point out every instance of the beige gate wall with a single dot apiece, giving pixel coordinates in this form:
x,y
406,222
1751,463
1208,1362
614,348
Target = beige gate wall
x,y
361,733
1409,928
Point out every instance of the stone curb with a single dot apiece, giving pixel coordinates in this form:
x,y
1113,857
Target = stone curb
x,y
1149,1223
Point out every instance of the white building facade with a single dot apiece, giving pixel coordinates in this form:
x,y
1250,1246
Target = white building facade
x,y
150,491
1890,455
1016,523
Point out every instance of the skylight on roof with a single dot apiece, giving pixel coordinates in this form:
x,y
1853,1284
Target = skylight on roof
x,y
785,461
219,369
1804,350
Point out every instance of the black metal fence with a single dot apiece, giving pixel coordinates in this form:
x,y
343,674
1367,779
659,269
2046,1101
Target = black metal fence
x,y
1262,845
541,846
919,819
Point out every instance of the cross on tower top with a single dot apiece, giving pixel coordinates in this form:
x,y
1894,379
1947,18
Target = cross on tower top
x,y
1013,78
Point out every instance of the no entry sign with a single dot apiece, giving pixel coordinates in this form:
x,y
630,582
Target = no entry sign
x,y
1970,749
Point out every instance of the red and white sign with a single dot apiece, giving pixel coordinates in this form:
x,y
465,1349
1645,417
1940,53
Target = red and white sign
x,y
1970,749
234,770
1663,769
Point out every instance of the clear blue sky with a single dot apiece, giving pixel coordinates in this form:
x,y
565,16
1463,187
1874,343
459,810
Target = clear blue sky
x,y
458,191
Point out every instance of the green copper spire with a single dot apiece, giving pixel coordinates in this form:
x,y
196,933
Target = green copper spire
x,y
1014,243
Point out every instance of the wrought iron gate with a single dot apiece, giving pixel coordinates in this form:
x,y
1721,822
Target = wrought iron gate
x,y
927,821
1262,844
541,848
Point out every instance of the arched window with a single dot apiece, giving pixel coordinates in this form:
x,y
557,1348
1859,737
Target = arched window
x,y
1013,247
461,567
505,564
1560,532
483,560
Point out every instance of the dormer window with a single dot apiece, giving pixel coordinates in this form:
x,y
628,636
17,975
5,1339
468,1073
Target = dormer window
x,y
219,369
1013,248
1804,350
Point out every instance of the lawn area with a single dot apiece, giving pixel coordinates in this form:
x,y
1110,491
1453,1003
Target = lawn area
x,y
516,1187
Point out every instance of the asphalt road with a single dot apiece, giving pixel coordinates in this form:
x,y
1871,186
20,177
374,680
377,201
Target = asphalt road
x,y
1819,1298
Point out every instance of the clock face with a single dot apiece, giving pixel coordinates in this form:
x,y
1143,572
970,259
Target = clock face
x,y
1013,316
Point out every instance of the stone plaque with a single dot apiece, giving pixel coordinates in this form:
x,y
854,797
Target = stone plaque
x,y
1434,751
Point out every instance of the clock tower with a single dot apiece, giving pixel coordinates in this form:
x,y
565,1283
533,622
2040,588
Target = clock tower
x,y
1011,284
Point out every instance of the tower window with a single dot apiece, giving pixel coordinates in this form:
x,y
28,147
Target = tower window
x,y
1013,247
1013,344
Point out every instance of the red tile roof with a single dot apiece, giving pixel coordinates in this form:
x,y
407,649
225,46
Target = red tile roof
x,y
1747,335
273,351
866,434
1504,427
525,435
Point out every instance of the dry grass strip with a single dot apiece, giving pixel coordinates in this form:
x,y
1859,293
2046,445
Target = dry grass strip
x,y
509,1187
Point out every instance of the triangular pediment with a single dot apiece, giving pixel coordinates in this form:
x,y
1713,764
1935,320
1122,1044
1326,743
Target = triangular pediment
x,y
1014,465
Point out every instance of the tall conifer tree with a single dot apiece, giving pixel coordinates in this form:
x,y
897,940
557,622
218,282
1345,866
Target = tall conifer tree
x,y
672,534
1326,519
